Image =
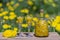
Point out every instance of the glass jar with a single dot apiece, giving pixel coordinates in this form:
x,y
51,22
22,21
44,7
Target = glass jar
x,y
41,28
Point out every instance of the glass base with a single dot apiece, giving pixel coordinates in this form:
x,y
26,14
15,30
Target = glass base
x,y
25,35
20,35
29,35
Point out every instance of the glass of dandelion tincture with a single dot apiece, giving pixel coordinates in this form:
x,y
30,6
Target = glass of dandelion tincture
x,y
29,21
20,21
41,28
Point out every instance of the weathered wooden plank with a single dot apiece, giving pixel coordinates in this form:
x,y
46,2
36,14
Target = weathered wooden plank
x,y
52,36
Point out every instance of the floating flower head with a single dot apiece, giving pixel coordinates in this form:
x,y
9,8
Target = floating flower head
x,y
20,19
24,25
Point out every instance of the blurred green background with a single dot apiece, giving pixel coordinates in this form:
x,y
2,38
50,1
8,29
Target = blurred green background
x,y
51,7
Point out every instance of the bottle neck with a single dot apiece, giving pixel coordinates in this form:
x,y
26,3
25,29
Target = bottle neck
x,y
41,13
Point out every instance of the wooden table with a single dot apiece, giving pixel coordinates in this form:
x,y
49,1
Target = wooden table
x,y
52,36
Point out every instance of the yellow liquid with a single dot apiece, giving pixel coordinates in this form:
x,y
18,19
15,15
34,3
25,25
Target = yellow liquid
x,y
41,29
29,20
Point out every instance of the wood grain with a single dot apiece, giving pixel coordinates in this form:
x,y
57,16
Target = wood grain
x,y
52,36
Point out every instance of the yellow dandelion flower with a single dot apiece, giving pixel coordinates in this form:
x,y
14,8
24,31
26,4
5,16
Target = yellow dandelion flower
x,y
53,24
33,24
29,2
11,17
22,11
12,13
5,12
1,14
7,33
15,29
57,20
9,26
1,4
14,33
24,25
5,26
16,5
26,10
49,22
28,19
11,8
58,27
58,17
12,2
6,17
20,19
46,16
35,19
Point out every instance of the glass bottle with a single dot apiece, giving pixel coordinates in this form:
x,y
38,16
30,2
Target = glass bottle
x,y
41,28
